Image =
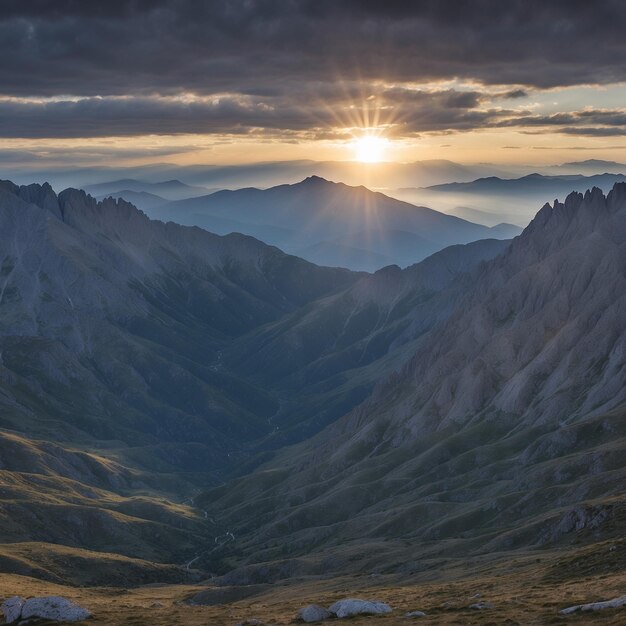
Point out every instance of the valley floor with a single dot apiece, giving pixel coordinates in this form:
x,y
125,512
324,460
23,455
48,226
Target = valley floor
x,y
524,590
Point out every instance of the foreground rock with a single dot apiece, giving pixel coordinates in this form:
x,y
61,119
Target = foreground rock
x,y
352,606
12,609
54,608
415,614
595,606
313,613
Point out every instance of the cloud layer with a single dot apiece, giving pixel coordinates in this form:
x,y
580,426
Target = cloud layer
x,y
302,68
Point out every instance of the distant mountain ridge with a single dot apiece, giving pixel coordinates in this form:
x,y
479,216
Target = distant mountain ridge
x,y
169,189
329,223
536,184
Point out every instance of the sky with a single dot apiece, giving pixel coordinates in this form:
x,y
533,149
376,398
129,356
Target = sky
x,y
238,81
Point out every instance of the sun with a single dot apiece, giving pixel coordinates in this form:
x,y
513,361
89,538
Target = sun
x,y
369,149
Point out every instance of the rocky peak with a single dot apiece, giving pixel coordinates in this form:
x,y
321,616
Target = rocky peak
x,y
559,224
586,209
112,216
42,196
314,180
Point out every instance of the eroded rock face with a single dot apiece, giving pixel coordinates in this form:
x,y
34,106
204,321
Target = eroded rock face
x,y
54,608
352,606
12,609
313,613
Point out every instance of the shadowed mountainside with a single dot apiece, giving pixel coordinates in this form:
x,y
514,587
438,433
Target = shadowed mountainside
x,y
132,368
504,430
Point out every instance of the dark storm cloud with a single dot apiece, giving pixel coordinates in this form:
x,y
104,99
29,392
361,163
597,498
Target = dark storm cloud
x,y
403,112
104,48
589,122
293,66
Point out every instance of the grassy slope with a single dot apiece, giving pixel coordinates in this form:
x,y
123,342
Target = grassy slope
x,y
528,589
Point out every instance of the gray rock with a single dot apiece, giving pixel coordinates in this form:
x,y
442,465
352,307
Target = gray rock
x,y
415,614
479,606
251,622
595,606
12,609
54,608
313,613
352,606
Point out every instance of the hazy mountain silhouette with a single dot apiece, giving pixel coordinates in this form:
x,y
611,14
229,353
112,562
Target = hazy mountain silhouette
x,y
169,189
533,184
331,223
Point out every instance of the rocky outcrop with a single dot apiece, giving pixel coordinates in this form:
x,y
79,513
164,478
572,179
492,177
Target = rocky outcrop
x,y
313,613
353,606
616,603
12,609
54,608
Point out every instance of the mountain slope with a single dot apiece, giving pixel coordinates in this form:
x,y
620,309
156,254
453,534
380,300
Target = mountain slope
x,y
112,324
326,357
317,211
505,430
112,396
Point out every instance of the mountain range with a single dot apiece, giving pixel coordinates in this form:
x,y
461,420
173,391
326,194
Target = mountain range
x,y
331,223
493,199
176,404
122,378
380,176
533,184
502,431
165,190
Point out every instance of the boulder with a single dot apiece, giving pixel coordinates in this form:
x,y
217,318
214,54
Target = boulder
x,y
415,614
352,606
54,608
313,613
595,606
12,609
